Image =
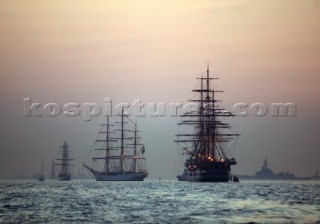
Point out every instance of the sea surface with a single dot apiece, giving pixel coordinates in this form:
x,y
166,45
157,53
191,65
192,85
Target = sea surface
x,y
88,201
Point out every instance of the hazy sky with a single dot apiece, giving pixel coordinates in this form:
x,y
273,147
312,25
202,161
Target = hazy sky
x,y
86,50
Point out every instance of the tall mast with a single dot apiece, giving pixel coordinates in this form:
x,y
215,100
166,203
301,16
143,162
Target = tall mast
x,y
65,158
42,168
53,173
107,148
212,118
135,148
122,142
201,118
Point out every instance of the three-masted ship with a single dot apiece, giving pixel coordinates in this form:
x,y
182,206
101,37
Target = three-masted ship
x,y
118,157
64,163
205,145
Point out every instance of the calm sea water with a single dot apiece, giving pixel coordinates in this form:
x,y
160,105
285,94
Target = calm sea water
x,y
159,202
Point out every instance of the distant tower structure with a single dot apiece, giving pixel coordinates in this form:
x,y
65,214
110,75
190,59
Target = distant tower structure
x,y
266,162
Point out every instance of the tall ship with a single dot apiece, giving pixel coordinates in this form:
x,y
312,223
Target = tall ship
x,y
205,137
64,163
117,155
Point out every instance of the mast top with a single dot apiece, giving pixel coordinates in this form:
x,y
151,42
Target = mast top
x,y
65,145
266,162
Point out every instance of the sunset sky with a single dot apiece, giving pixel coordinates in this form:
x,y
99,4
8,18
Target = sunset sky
x,y
86,50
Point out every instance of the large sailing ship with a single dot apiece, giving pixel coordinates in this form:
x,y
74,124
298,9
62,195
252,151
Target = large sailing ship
x,y
118,158
64,163
208,158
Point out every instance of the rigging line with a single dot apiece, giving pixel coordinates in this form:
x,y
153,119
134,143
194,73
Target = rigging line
x,y
131,120
94,143
233,147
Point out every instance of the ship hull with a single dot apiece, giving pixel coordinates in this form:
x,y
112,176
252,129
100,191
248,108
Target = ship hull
x,y
119,177
125,176
208,171
64,177
182,177
209,176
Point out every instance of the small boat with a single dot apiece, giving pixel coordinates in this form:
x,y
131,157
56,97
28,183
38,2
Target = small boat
x,y
42,177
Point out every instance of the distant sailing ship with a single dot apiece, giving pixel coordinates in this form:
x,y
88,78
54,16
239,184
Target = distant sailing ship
x,y
42,177
64,162
208,158
120,159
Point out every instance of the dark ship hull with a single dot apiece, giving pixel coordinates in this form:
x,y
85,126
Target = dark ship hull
x,y
64,177
41,178
183,177
209,176
209,172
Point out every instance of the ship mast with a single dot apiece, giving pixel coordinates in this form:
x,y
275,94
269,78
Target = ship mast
x,y
42,168
108,148
107,157
65,158
135,156
208,128
135,148
106,165
122,142
53,173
